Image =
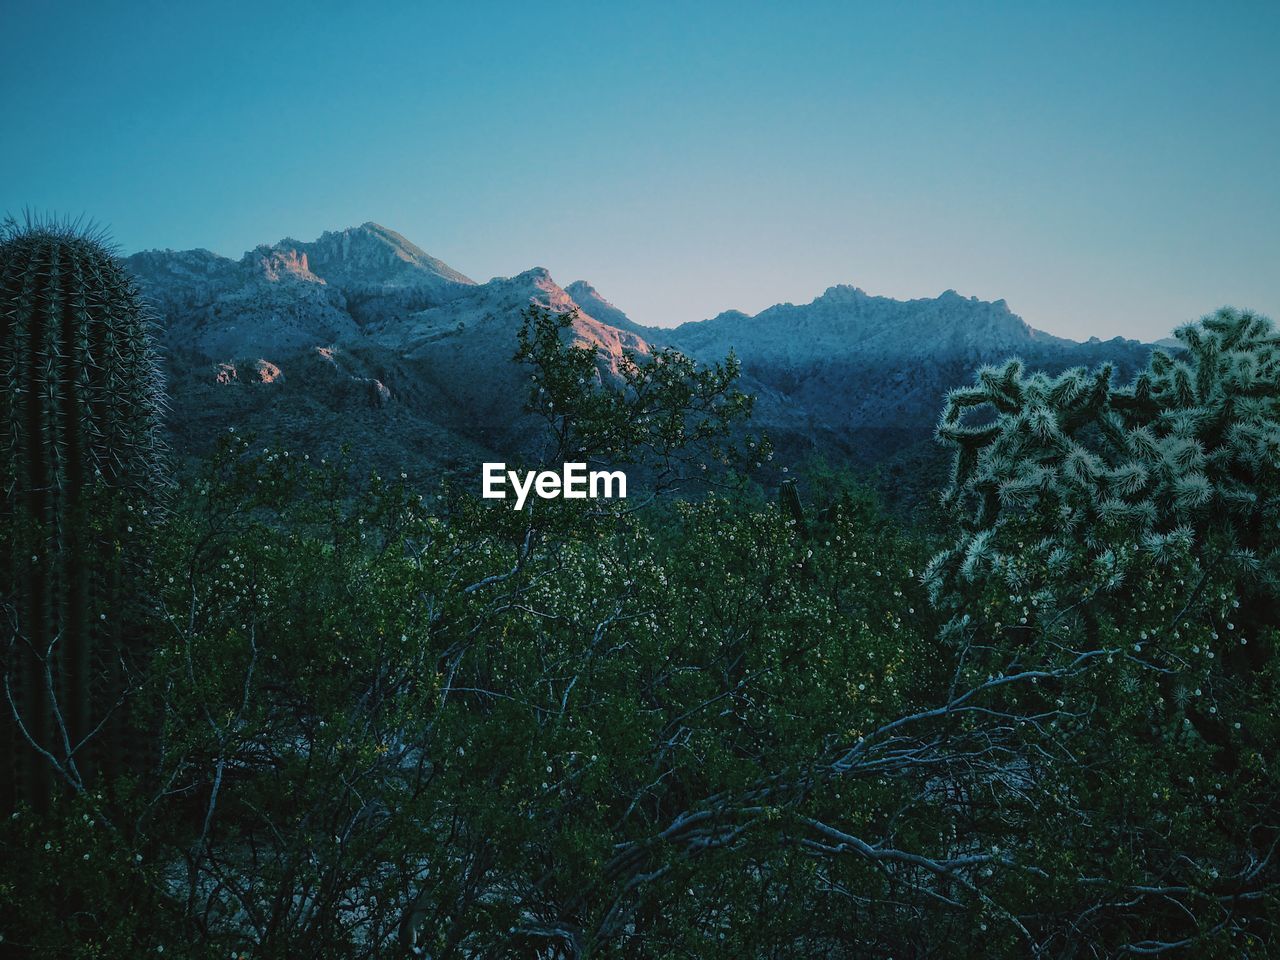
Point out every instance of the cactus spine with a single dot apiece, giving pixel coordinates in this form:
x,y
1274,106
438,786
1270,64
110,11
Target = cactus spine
x,y
80,411
1072,496
1191,446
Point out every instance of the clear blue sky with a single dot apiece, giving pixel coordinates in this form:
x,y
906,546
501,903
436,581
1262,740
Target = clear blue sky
x,y
1107,168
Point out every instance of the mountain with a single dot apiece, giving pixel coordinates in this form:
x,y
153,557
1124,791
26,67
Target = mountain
x,y
846,320
380,273
491,311
360,337
871,371
290,295
357,337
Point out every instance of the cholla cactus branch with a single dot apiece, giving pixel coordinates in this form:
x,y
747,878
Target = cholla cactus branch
x,y
1187,444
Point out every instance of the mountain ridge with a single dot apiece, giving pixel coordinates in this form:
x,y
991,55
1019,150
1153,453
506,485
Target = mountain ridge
x,y
362,336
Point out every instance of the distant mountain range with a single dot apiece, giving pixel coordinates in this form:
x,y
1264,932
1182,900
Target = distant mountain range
x,y
362,338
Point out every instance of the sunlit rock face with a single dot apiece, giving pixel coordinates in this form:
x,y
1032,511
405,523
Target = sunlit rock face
x,y
255,371
492,311
268,302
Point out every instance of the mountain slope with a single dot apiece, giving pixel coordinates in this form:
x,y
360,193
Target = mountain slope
x,y
460,353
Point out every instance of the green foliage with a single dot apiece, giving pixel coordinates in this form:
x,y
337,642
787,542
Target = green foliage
x,y
401,724
85,890
661,410
81,469
407,723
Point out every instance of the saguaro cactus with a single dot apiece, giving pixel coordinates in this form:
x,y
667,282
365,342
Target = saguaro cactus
x,y
79,409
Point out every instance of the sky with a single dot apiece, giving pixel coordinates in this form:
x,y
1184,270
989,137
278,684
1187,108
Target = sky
x,y
1109,169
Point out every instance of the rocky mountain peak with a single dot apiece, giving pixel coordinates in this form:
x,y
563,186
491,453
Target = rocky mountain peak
x,y
370,255
843,292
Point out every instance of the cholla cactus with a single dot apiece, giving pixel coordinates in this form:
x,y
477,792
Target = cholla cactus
x,y
79,407
1050,468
